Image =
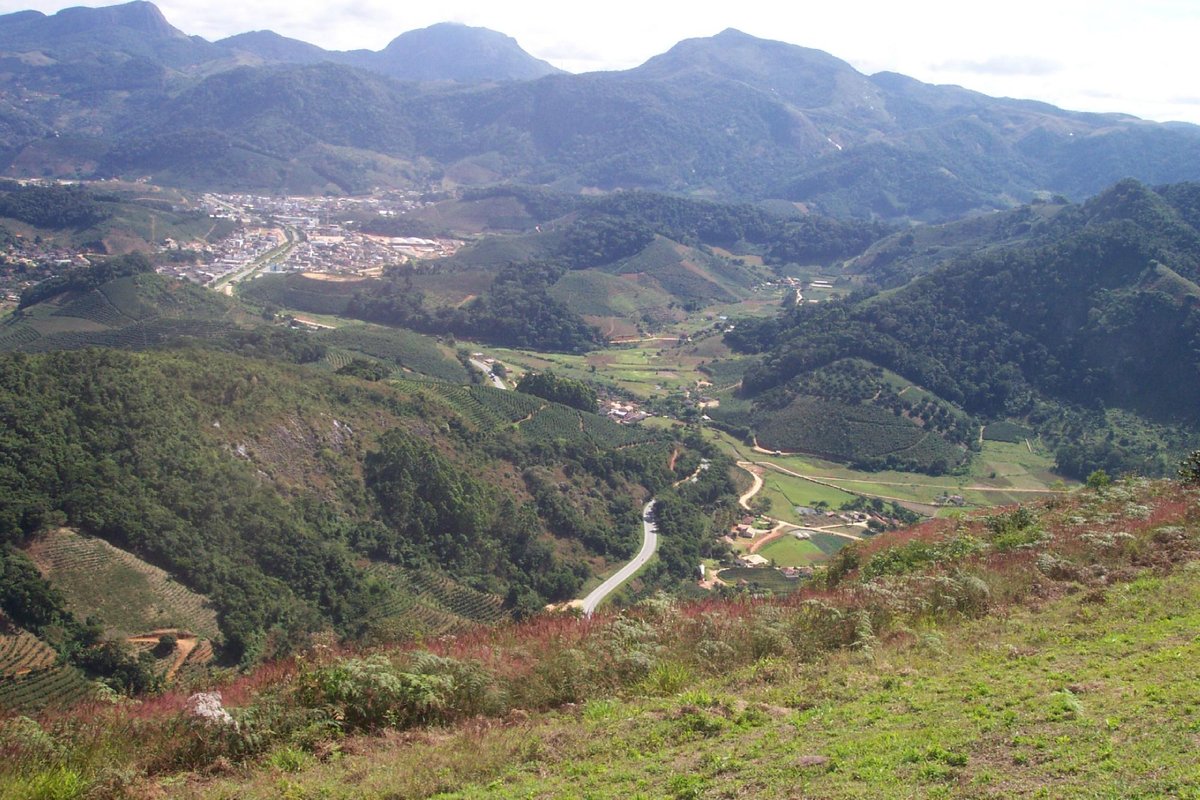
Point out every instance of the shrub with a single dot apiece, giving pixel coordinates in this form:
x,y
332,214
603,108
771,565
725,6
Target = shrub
x,y
371,693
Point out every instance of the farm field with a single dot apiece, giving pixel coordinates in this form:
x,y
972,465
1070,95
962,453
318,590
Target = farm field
x,y
430,604
398,348
786,492
53,687
127,594
791,551
1023,474
761,577
21,652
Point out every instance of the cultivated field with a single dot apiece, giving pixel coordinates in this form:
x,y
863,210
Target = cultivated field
x,y
129,595
999,475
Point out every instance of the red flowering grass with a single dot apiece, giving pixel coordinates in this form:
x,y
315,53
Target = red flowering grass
x,y
515,651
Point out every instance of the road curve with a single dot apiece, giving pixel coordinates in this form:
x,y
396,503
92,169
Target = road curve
x,y
488,373
649,546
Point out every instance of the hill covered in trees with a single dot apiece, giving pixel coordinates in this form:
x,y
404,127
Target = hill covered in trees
x,y
268,487
1088,331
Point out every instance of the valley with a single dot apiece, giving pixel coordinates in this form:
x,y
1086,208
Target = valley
x,y
430,421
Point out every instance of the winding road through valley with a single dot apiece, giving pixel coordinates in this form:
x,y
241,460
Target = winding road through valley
x,y
649,546
649,532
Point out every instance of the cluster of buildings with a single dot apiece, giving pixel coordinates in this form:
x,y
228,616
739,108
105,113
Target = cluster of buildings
x,y
225,257
623,411
304,212
24,263
322,230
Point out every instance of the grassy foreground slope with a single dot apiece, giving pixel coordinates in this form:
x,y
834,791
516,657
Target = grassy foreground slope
x,y
1045,650
1077,700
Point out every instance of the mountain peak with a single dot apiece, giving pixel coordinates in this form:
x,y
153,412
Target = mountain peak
x,y
139,15
800,75
270,46
131,26
451,50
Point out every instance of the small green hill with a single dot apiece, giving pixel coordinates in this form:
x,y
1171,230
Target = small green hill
x,y
131,312
113,218
690,276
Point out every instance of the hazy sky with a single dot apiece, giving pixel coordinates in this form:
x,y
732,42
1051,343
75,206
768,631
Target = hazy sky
x,y
1136,56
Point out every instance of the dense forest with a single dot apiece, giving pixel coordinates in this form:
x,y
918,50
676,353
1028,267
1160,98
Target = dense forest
x,y
567,391
515,311
616,225
51,206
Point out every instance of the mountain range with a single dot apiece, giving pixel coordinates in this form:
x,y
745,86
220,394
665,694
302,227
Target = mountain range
x,y
118,91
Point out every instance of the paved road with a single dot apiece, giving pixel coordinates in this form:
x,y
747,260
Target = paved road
x,y
496,380
649,545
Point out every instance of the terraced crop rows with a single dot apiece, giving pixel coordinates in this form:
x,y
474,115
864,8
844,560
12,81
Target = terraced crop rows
x,y
71,560
399,347
554,422
14,336
508,406
124,296
605,433
23,652
460,600
94,306
137,336
45,688
431,604
467,404
337,358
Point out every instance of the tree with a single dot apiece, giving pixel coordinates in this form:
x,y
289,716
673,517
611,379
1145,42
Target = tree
x,y
567,391
1098,480
1189,469
166,645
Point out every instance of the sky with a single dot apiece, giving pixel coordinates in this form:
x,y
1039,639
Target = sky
x,y
1135,56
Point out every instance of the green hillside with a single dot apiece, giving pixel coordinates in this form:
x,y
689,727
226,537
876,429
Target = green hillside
x,y
410,352
1084,335
133,312
114,218
263,485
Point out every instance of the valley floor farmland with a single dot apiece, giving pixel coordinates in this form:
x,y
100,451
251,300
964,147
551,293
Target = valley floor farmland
x,y
1001,474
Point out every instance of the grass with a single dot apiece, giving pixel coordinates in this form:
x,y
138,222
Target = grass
x,y
1065,667
1087,694
786,492
790,551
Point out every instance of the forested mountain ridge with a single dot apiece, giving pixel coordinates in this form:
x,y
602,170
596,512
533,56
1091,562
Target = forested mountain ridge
x,y
729,115
1101,315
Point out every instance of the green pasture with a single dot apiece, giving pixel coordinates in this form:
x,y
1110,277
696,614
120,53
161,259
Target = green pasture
x,y
791,551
